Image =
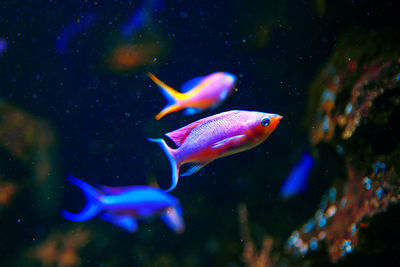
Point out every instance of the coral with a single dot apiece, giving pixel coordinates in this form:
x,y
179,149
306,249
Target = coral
x,y
27,138
61,249
29,142
338,220
359,101
28,179
251,256
328,117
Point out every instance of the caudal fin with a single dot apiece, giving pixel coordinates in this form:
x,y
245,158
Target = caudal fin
x,y
92,207
171,157
168,109
171,95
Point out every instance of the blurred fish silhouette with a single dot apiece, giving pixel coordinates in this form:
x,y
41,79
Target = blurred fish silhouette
x,y
82,23
3,45
142,15
297,179
221,135
123,205
198,94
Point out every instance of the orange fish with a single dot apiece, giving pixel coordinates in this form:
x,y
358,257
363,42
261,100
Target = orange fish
x,y
198,94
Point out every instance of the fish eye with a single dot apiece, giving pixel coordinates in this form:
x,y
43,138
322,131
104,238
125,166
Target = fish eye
x,y
265,122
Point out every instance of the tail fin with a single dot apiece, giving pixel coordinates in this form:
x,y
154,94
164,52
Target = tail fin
x,y
171,157
168,109
92,207
170,94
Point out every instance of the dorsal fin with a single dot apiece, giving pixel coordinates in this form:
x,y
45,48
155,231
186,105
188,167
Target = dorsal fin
x,y
189,85
115,190
108,190
179,136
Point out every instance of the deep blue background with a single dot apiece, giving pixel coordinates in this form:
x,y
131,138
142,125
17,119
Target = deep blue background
x,y
103,117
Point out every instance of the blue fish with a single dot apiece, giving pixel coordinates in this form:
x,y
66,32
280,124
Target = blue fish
x,y
142,15
121,206
296,181
82,23
3,45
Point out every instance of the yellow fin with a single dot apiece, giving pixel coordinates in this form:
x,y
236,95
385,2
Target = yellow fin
x,y
169,93
168,109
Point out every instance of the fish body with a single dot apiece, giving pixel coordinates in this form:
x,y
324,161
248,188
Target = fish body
x,y
198,94
123,205
297,179
221,135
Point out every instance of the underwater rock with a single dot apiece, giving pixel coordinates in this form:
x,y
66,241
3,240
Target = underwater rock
x,y
353,108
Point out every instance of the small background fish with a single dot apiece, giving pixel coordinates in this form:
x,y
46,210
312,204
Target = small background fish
x,y
297,179
198,94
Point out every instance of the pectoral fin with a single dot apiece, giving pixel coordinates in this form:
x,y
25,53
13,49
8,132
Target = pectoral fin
x,y
173,218
125,221
224,94
193,168
230,142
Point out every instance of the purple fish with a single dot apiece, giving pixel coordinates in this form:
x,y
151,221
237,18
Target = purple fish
x,y
197,94
123,205
221,135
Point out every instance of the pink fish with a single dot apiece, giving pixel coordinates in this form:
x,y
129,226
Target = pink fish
x,y
221,135
197,94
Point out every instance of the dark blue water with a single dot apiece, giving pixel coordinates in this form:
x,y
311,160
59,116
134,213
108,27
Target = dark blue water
x,y
102,116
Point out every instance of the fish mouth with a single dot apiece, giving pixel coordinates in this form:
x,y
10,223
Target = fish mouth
x,y
277,119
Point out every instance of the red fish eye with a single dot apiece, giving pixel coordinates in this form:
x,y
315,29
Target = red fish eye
x,y
265,122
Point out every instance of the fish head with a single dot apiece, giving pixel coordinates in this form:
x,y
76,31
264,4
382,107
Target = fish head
x,y
261,125
228,79
225,81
